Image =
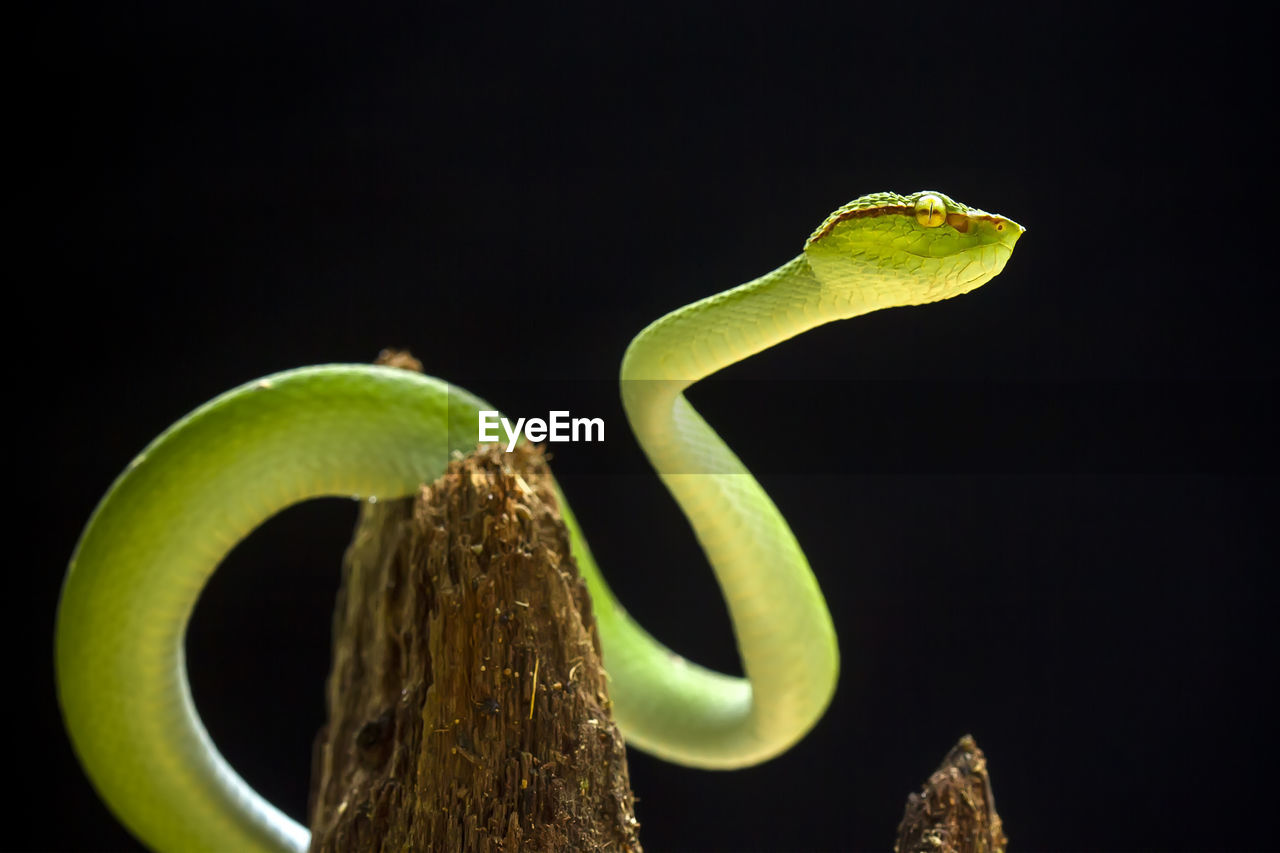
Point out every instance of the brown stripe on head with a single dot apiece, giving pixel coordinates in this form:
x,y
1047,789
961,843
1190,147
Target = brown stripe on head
x,y
958,215
844,215
874,204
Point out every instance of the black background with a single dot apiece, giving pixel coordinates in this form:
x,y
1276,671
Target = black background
x,y
1040,512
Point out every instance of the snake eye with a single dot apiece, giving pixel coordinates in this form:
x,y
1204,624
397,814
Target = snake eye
x,y
930,211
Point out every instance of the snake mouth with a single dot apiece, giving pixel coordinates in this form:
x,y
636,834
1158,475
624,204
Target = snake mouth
x,y
985,263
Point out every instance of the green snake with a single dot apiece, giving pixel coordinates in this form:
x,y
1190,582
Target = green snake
x,y
366,431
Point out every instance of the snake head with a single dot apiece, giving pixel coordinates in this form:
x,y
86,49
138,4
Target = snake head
x,y
888,249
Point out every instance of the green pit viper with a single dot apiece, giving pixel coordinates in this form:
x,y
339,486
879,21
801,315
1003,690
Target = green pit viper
x,y
352,430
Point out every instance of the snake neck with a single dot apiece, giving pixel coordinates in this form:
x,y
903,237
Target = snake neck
x,y
699,339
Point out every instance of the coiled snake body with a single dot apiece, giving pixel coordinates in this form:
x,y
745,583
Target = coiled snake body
x,y
211,478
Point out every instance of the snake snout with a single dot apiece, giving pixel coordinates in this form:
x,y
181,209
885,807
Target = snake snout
x,y
1007,231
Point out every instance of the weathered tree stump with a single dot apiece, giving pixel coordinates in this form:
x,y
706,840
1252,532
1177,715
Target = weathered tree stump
x,y
468,710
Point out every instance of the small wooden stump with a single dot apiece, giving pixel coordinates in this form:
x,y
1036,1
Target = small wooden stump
x,y
468,709
956,812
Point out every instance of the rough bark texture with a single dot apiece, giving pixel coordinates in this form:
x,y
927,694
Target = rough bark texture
x,y
956,812
467,706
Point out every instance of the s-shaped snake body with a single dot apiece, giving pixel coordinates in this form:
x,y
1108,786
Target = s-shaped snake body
x,y
352,430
